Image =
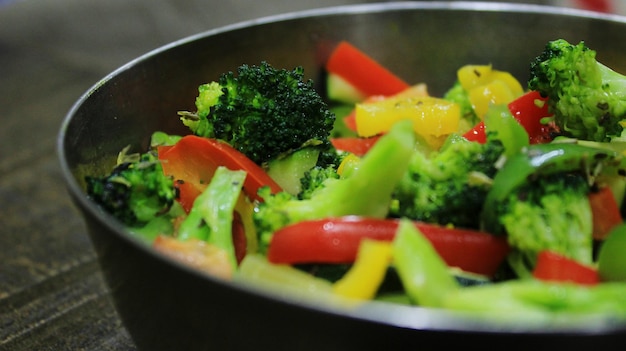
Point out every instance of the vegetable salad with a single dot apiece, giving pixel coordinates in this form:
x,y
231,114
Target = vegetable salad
x,y
495,196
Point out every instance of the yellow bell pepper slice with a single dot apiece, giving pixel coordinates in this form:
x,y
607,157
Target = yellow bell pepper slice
x,y
431,116
471,76
486,86
492,93
368,271
245,210
348,165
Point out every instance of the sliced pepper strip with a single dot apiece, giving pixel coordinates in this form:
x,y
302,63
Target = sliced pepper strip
x,y
337,240
194,159
431,116
354,145
554,267
424,275
414,91
368,271
363,72
605,212
529,110
281,279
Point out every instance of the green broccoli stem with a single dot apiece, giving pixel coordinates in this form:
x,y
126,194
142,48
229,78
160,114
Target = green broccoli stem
x,y
543,159
423,273
282,279
211,215
368,190
613,79
534,300
501,125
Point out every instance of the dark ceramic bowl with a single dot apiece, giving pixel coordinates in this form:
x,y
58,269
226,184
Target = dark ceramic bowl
x,y
166,306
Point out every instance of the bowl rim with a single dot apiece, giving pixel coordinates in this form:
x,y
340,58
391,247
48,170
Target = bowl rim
x,y
411,317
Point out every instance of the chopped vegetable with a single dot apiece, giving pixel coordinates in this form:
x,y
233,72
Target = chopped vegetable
x,y
554,267
363,72
193,160
366,192
543,159
605,212
281,279
423,273
432,117
368,272
354,145
289,170
611,258
262,111
198,254
530,111
136,191
339,89
211,216
586,97
448,186
532,300
486,86
337,240
551,213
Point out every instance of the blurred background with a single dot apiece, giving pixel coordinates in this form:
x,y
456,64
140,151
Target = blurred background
x,y
52,296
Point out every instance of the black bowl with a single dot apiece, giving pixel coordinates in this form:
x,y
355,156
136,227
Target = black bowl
x,y
167,306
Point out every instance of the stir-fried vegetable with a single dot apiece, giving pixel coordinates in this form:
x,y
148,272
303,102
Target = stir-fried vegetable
x,y
337,240
411,196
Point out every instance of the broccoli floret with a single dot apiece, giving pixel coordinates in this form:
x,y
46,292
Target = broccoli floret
x,y
136,191
315,179
262,111
587,98
539,199
549,213
448,186
211,216
457,94
366,191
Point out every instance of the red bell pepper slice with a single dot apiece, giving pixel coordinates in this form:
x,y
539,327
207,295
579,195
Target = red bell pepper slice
x,y
605,212
554,267
193,160
363,72
355,145
336,240
529,109
350,121
477,133
187,193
